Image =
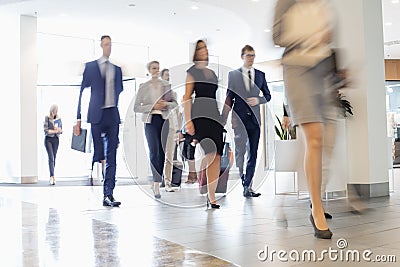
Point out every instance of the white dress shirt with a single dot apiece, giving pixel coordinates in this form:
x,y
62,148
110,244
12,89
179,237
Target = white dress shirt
x,y
108,72
245,73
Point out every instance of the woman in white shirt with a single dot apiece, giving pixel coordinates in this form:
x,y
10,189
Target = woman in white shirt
x,y
154,101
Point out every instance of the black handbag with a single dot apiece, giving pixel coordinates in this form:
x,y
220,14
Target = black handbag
x,y
79,141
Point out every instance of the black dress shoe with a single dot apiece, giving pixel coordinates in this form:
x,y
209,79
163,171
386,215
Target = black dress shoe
x,y
323,234
109,201
254,194
327,215
246,192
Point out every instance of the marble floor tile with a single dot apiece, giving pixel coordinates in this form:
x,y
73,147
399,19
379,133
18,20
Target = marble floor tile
x,y
66,225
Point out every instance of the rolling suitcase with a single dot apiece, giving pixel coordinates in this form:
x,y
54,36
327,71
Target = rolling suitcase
x,y
176,170
226,163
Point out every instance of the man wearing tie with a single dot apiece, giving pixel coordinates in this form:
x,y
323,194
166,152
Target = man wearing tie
x,y
243,94
105,81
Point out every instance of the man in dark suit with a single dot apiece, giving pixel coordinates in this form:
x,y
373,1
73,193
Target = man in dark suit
x,y
243,94
105,81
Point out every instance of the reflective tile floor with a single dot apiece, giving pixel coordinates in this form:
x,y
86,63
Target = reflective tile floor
x,y
68,226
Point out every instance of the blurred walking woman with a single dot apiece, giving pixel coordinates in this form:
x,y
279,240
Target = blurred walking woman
x,y
154,102
202,118
52,131
305,29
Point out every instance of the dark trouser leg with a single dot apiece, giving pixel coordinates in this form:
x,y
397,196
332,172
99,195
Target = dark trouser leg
x,y
254,138
240,147
51,144
156,136
56,142
111,131
108,126
98,143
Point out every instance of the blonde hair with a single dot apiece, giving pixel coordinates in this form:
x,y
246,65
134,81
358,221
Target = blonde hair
x,y
52,108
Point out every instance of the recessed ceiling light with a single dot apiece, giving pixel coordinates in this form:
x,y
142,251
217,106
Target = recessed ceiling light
x,y
267,30
395,1
194,7
218,30
255,0
388,24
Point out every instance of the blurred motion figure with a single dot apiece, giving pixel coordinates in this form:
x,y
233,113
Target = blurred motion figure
x,y
305,29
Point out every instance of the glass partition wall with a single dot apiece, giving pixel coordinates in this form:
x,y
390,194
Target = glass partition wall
x,y
61,62
393,118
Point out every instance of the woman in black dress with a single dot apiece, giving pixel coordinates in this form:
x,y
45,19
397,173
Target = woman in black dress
x,y
202,118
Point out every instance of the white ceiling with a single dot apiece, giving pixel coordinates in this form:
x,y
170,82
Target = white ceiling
x,y
227,24
391,28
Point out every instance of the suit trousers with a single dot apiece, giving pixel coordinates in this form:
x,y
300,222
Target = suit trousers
x,y
156,135
244,135
106,133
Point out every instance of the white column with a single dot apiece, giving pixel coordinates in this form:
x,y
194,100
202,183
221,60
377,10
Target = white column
x,y
10,161
28,99
361,36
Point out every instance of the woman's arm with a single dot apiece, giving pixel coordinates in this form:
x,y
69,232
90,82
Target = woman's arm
x,y
140,106
187,104
46,127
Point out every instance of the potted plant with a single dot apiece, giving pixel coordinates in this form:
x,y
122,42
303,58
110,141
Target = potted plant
x,y
344,104
286,148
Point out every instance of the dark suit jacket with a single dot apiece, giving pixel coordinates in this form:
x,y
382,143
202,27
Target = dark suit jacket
x,y
236,96
92,78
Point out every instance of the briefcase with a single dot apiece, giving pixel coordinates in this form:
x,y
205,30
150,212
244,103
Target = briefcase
x,y
79,141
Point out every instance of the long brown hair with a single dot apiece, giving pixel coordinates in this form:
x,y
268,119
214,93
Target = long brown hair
x,y
195,50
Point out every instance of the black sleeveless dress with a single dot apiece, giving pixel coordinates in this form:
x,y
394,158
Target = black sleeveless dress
x,y
205,114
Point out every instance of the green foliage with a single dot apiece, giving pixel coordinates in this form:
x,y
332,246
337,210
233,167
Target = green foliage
x,y
347,109
284,134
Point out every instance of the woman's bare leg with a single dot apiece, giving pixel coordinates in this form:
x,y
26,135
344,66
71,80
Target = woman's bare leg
x,y
330,133
313,136
212,170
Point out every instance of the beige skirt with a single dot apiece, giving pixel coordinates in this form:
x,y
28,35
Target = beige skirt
x,y
310,94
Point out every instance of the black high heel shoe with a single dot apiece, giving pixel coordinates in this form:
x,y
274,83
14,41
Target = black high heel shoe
x,y
323,234
327,215
213,206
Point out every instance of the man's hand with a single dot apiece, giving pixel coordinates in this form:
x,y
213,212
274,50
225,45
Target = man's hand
x,y
77,128
252,101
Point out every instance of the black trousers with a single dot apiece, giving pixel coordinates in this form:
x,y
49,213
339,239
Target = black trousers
x,y
51,144
156,134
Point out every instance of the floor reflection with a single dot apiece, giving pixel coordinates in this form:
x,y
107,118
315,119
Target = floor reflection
x,y
61,233
53,233
29,226
105,237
